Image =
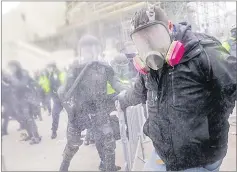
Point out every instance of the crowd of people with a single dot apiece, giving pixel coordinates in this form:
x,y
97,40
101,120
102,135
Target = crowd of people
x,y
23,97
188,80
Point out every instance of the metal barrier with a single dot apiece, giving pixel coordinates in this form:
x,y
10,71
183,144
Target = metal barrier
x,y
133,124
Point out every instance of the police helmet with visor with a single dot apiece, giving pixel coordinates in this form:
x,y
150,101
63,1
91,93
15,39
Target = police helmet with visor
x,y
89,48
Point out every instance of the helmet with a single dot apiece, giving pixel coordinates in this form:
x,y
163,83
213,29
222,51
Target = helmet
x,y
15,67
233,31
120,64
15,63
89,48
88,40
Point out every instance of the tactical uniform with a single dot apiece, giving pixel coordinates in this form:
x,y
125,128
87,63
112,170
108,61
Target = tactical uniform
x,y
45,91
90,97
21,82
35,108
55,79
230,45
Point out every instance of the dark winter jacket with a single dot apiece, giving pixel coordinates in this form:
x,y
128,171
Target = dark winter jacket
x,y
90,95
189,104
22,85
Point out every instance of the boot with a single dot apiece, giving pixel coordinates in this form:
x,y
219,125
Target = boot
x,y
92,142
20,128
54,134
86,142
25,137
35,140
115,168
64,166
102,167
109,163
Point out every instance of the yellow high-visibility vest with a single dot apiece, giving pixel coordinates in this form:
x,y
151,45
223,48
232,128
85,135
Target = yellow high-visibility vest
x,y
62,77
44,83
110,89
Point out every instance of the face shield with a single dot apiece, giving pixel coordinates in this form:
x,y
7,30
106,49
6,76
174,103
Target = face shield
x,y
89,53
121,69
152,42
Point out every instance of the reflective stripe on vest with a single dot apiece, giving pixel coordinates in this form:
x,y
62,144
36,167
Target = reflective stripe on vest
x,y
230,46
226,45
110,89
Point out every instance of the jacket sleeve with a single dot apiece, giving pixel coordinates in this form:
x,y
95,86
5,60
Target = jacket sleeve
x,y
226,46
69,80
135,95
114,81
221,72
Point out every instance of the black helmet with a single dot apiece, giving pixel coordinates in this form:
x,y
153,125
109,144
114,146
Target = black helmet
x,y
120,64
120,59
88,40
15,68
89,47
15,63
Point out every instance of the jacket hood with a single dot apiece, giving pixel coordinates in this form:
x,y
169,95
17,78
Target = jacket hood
x,y
183,33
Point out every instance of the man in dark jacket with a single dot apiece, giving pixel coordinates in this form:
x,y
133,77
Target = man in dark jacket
x,y
84,96
45,90
189,99
21,84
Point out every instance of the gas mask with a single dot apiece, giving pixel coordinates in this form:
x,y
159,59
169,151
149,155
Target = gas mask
x,y
155,47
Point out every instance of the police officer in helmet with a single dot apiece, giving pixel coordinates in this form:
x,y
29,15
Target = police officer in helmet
x,y
230,44
84,96
21,83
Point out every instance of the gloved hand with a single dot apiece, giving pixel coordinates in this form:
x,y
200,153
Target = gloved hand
x,y
117,105
118,102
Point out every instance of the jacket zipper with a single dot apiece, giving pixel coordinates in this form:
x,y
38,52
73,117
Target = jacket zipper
x,y
172,82
172,85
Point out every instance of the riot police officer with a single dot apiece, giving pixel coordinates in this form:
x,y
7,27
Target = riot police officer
x,y
230,44
55,81
84,96
45,90
21,81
